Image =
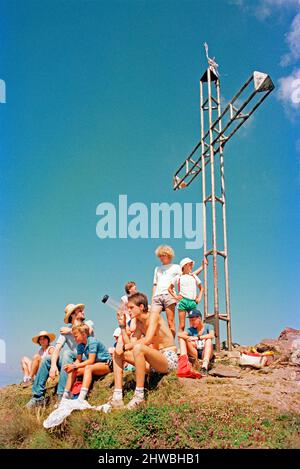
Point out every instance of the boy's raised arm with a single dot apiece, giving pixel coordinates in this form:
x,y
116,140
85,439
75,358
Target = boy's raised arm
x,y
199,270
127,341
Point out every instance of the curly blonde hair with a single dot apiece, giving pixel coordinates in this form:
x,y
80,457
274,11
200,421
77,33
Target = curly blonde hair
x,y
164,249
82,329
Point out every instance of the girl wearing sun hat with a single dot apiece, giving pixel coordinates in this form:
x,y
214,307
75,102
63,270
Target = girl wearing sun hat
x,y
187,285
30,366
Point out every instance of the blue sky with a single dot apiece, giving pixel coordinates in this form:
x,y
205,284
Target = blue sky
x,y
102,100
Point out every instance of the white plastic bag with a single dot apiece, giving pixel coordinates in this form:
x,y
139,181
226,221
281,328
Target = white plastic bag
x,y
253,359
64,410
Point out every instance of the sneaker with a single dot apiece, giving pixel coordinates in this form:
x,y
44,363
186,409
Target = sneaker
x,y
104,408
112,404
27,383
135,402
204,371
80,404
116,403
35,402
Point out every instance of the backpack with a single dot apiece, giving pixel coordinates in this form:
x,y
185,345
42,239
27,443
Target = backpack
x,y
184,369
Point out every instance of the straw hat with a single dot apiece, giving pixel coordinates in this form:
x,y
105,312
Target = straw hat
x,y
185,261
51,336
69,309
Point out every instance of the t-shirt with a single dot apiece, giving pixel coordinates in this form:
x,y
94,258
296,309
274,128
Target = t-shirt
x,y
93,345
124,300
193,331
69,338
163,277
44,353
187,285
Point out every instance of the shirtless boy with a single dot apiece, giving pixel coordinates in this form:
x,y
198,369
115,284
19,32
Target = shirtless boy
x,y
152,345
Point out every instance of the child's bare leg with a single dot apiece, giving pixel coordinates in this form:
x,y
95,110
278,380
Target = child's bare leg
x,y
70,381
97,369
119,361
188,347
170,312
192,349
36,361
156,309
26,366
182,346
182,315
207,353
142,354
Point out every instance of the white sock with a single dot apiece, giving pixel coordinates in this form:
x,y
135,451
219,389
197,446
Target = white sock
x,y
139,392
83,393
67,394
26,378
205,364
118,395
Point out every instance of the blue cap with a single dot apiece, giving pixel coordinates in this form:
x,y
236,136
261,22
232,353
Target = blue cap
x,y
195,313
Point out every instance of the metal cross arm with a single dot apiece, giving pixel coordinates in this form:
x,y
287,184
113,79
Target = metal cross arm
x,y
258,87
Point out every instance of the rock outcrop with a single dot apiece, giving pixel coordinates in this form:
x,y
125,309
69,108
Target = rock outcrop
x,y
286,347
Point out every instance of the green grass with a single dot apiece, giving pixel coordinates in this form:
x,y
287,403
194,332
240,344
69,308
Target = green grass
x,y
168,420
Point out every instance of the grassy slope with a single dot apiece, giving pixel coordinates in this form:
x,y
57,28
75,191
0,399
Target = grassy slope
x,y
175,417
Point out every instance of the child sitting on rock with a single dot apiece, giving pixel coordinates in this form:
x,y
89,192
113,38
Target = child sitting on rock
x,y
93,359
30,366
197,342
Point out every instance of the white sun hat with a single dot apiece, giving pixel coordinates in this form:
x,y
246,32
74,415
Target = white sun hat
x,y
51,336
185,261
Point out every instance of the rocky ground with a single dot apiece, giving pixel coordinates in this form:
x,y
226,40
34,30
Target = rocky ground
x,y
277,384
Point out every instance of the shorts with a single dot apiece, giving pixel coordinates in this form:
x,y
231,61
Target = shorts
x,y
187,305
164,300
171,357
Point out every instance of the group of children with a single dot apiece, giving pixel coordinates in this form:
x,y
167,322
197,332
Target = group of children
x,y
144,341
